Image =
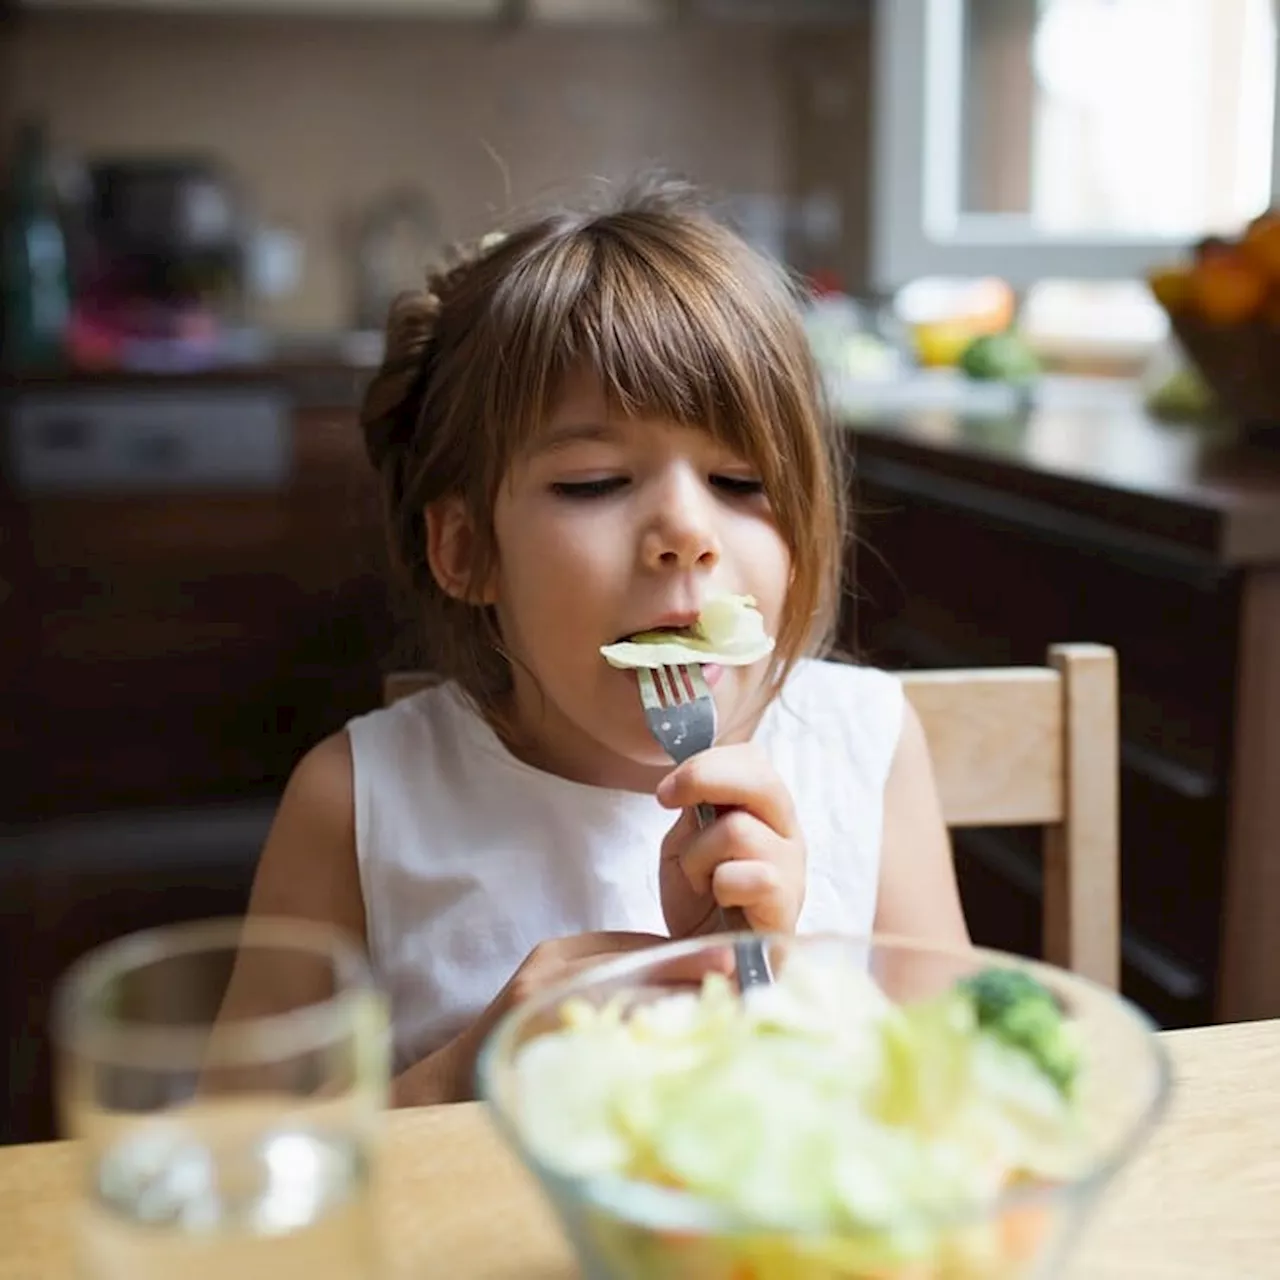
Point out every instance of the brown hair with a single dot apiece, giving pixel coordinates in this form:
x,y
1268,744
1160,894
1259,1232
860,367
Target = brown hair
x,y
678,317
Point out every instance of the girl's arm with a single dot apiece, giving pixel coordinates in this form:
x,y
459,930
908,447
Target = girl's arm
x,y
308,866
918,893
308,870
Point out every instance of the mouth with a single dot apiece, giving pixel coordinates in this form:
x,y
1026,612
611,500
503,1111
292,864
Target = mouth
x,y
712,673
683,628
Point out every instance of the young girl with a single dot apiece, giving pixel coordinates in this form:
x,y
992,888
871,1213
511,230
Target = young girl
x,y
585,430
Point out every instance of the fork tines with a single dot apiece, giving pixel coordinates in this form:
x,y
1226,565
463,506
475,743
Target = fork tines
x,y
671,686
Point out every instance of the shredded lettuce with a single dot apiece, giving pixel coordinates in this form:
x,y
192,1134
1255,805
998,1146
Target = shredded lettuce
x,y
815,1102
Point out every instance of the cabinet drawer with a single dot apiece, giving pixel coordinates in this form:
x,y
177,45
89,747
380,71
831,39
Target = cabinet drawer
x,y
1170,882
1172,849
1000,886
151,440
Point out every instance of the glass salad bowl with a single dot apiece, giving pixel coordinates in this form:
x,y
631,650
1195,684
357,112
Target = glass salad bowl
x,y
882,1111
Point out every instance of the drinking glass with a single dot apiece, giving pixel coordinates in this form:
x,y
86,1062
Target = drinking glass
x,y
225,1081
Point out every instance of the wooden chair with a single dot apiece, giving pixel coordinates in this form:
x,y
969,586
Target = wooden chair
x,y
1039,746
400,684
1025,746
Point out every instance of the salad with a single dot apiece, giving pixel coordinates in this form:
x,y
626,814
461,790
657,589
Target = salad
x,y
729,633
818,1129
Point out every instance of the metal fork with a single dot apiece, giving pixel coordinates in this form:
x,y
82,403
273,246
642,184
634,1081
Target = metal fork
x,y
681,715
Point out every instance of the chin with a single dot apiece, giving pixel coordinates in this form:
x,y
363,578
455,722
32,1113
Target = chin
x,y
626,734
632,741
647,752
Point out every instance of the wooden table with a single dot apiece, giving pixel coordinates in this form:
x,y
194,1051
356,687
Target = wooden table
x,y
1201,1203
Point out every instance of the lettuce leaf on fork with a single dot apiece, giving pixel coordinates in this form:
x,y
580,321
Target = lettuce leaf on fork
x,y
729,633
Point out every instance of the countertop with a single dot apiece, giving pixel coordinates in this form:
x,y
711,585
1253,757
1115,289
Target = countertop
x,y
1205,490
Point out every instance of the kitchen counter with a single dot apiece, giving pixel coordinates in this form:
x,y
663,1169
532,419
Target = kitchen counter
x,y
323,370
1180,488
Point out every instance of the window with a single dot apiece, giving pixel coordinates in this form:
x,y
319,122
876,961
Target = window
x,y
1067,139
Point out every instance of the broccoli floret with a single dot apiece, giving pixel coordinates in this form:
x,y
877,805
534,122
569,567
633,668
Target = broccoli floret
x,y
995,992
1012,1006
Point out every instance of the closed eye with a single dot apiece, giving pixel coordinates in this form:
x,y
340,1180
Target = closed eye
x,y
586,489
738,486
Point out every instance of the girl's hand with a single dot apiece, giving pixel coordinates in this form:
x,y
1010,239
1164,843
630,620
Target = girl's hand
x,y
752,856
448,1074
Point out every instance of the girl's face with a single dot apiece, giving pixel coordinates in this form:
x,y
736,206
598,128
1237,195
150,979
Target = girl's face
x,y
605,527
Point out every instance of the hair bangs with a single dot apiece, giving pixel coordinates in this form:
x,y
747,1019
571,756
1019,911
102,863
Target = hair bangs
x,y
668,335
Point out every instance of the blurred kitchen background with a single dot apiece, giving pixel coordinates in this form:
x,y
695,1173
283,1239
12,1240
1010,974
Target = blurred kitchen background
x,y
1043,290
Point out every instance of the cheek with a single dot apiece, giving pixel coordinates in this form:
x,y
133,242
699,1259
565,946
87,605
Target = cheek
x,y
554,581
766,565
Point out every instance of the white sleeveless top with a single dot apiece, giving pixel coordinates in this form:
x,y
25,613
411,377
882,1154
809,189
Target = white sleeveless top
x,y
469,858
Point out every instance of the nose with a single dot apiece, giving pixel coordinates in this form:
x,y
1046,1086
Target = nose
x,y
680,532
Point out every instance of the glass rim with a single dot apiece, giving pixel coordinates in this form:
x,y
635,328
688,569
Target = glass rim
x,y
79,1025
660,1208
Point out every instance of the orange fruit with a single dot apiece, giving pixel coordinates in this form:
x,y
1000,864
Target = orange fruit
x,y
1228,289
1261,243
1172,287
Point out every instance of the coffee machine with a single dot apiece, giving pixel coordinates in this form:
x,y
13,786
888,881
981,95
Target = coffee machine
x,y
161,274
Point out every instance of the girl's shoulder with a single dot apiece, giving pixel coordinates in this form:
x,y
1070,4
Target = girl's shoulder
x,y
833,687
842,709
435,716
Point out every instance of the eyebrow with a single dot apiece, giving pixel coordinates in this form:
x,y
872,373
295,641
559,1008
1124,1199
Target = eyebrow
x,y
576,433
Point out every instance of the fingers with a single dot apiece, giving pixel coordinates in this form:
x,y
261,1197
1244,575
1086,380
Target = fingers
x,y
601,944
564,959
556,959
690,970
683,832
737,836
739,862
756,888
585,951
735,777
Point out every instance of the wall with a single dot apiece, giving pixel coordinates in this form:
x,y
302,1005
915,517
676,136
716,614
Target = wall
x,y
322,116
826,88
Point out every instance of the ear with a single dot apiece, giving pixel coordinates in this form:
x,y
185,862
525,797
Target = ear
x,y
451,552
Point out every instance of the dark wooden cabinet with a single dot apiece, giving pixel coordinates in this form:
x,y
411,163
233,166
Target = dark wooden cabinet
x,y
970,555
185,647
165,659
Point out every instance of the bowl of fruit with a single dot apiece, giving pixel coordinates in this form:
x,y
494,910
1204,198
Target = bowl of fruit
x,y
1223,304
880,1110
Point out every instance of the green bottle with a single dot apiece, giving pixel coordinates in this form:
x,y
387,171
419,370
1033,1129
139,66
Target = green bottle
x,y
33,270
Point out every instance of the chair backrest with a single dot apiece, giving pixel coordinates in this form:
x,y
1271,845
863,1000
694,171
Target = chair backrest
x,y
400,684
1024,746
1039,746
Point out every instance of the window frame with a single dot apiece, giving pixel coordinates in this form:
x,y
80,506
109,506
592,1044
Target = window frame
x,y
915,229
